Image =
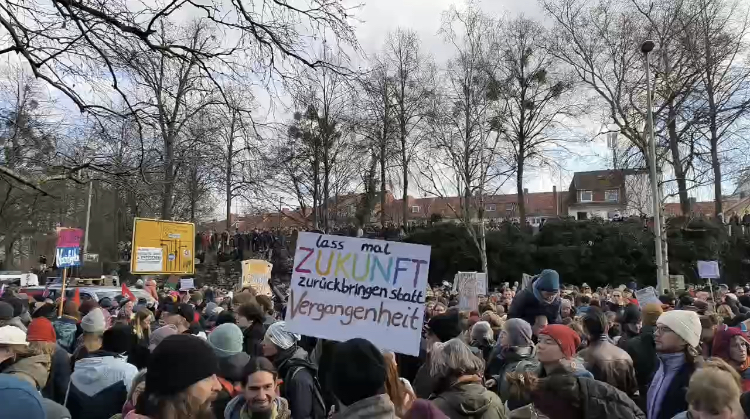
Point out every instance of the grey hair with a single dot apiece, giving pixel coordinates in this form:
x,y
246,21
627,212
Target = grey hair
x,y
482,330
453,359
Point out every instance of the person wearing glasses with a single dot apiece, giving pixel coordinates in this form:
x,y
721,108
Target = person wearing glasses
x,y
677,337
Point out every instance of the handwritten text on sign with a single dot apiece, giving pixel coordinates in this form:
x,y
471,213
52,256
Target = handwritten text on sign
x,y
347,287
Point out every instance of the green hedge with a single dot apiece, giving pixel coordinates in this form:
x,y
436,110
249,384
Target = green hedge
x,y
596,252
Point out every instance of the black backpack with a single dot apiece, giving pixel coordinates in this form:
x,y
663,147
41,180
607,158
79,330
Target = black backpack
x,y
319,406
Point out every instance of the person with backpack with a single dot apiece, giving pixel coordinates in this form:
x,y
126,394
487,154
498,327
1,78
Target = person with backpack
x,y
300,385
514,353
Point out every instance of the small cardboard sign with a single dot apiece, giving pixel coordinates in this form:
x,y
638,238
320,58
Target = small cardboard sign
x,y
187,284
708,269
647,296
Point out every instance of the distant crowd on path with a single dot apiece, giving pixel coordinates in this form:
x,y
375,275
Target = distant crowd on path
x,y
547,350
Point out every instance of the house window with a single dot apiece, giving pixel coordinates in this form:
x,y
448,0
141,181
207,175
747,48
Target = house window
x,y
414,209
612,195
490,207
585,196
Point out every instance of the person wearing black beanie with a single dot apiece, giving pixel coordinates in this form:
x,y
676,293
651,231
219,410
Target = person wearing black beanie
x,y
180,379
358,380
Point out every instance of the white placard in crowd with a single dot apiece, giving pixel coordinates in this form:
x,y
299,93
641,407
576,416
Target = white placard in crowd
x,y
187,284
481,283
708,269
647,296
350,287
149,259
467,291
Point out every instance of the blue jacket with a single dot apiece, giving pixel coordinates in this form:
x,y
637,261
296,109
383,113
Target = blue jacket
x,y
99,386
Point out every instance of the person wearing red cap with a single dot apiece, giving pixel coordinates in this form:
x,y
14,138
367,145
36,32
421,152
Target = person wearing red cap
x,y
556,351
41,334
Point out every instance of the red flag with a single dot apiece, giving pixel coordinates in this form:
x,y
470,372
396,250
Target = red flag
x,y
77,297
126,292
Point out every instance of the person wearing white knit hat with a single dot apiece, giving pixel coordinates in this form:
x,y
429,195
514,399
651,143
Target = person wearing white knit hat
x,y
676,339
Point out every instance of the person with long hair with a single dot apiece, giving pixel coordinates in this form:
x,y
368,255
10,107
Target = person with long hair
x,y
142,334
398,389
176,385
41,337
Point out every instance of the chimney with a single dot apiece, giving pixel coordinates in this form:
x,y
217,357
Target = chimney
x,y
554,196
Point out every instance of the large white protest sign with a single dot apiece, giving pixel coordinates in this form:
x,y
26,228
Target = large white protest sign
x,y
349,287
148,259
467,291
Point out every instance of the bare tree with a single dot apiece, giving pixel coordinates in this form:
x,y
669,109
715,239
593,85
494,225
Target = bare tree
x,y
413,81
172,93
465,147
723,96
536,96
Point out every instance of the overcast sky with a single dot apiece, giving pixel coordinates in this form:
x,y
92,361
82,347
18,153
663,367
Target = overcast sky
x,y
379,17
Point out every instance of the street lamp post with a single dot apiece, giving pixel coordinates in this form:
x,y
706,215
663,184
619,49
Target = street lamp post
x,y
646,48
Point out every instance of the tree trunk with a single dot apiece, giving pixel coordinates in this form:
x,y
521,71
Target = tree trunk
x,y
228,185
382,183
405,174
679,173
521,195
168,190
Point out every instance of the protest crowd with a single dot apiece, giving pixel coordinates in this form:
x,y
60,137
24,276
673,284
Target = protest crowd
x,y
546,350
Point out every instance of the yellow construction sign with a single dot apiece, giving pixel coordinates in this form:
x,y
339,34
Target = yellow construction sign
x,y
162,247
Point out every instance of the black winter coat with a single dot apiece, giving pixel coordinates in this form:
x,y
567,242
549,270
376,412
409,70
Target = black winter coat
x,y
675,400
253,339
596,400
526,306
642,349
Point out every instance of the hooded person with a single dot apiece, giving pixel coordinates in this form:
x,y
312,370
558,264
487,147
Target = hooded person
x,y
482,338
676,340
67,328
440,328
150,286
181,380
358,381
41,330
100,383
19,399
630,324
226,340
299,386
458,390
259,396
731,344
514,353
542,298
